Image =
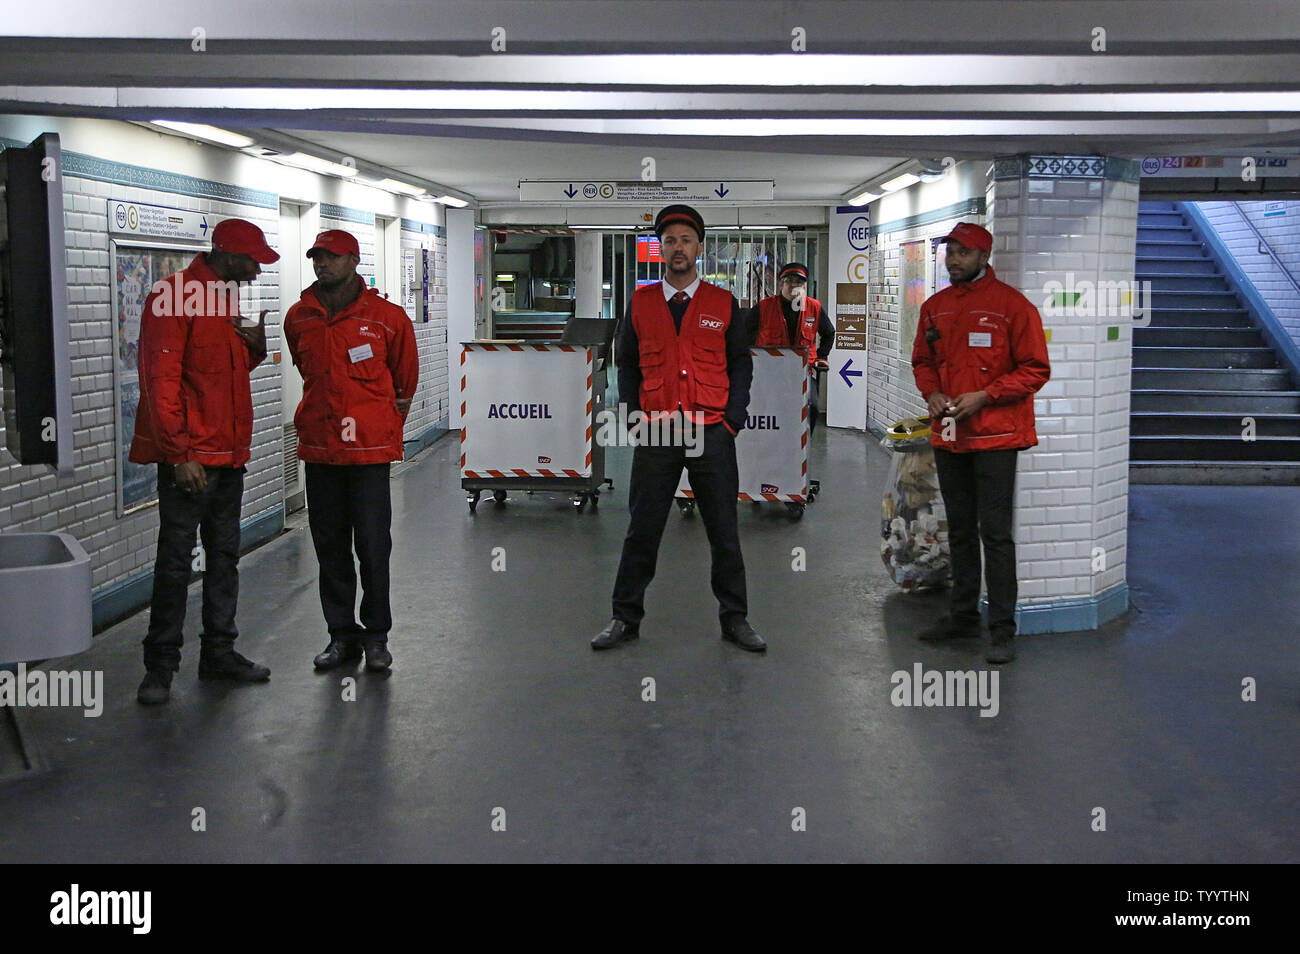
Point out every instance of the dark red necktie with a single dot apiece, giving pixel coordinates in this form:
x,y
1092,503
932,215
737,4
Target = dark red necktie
x,y
681,297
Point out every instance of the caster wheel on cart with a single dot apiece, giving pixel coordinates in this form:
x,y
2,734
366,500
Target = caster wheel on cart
x,y
796,509
687,507
595,500
471,498
579,502
814,487
499,496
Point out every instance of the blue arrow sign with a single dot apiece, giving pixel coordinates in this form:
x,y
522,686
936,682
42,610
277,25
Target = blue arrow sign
x,y
845,373
721,190
570,191
204,226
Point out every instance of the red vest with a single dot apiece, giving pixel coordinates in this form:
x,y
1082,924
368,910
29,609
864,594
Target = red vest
x,y
686,369
773,332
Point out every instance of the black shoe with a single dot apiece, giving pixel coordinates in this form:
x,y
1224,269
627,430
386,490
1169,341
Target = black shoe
x,y
1003,649
378,658
948,628
339,652
156,688
743,635
616,632
230,665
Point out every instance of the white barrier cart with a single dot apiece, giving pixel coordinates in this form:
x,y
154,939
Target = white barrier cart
x,y
528,412
772,450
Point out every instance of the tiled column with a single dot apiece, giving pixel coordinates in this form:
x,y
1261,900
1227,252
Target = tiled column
x,y
1065,231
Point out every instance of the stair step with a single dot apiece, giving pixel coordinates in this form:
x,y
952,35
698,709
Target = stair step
x,y
1243,402
1174,282
1219,473
1163,336
1209,447
1214,423
1195,379
1166,234
1173,265
1200,298
1203,358
1171,249
1155,205
1230,317
1159,218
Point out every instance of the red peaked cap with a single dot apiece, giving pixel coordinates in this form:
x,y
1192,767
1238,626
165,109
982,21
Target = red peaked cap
x,y
240,237
970,235
337,241
794,270
674,214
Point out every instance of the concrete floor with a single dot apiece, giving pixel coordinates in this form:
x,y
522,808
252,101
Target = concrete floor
x,y
495,701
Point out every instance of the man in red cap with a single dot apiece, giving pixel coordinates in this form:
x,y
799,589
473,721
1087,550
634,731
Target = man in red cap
x,y
195,421
978,359
794,319
683,354
360,366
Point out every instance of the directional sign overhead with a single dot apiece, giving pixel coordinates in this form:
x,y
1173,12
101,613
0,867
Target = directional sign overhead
x,y
156,221
579,191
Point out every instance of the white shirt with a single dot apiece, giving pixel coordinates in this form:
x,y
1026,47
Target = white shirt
x,y
670,291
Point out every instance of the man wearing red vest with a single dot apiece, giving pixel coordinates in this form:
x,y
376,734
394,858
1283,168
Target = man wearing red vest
x,y
793,319
683,351
195,421
978,359
360,366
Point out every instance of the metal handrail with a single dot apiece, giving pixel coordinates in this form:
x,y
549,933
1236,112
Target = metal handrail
x,y
1264,248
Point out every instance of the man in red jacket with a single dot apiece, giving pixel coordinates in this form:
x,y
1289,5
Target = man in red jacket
x,y
979,357
359,362
794,319
195,421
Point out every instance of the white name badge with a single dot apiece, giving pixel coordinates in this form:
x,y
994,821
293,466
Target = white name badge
x,y
361,352
981,339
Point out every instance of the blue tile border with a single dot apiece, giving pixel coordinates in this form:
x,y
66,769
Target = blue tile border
x,y
341,213
1025,166
424,228
1074,615
424,439
118,601
956,210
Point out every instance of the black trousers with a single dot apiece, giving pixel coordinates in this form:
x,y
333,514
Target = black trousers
x,y
655,473
979,490
351,505
214,512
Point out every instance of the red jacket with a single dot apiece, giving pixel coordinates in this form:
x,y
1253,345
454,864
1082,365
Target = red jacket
x,y
195,403
686,369
990,338
773,332
355,366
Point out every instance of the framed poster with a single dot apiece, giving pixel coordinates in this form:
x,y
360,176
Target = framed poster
x,y
912,260
136,267
938,265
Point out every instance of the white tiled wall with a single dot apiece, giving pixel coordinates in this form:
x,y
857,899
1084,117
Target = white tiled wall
x,y
1282,232
430,407
1073,486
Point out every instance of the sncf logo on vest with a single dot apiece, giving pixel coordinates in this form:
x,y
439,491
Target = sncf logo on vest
x,y
520,412
713,324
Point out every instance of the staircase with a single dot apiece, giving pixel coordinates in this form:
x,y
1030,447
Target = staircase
x,y
1199,368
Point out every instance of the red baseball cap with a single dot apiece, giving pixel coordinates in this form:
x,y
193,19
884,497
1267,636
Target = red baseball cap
x,y
239,237
336,241
970,235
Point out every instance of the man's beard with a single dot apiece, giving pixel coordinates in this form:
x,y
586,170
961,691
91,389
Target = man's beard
x,y
334,284
672,267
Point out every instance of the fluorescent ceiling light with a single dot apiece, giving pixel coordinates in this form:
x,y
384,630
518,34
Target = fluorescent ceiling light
x,y
451,200
865,196
209,133
604,228
405,188
761,228
508,277
900,182
317,164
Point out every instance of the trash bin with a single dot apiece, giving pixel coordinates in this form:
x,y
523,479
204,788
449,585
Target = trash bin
x,y
913,524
